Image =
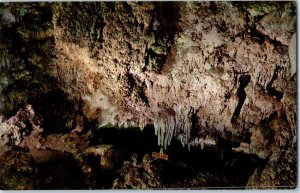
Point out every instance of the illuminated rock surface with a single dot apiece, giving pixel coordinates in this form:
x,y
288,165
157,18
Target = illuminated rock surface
x,y
93,84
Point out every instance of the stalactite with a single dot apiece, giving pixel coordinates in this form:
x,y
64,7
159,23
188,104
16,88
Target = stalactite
x,y
202,142
155,127
164,129
181,140
142,121
179,124
162,132
194,142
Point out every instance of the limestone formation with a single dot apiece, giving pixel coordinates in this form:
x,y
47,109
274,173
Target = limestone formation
x,y
220,75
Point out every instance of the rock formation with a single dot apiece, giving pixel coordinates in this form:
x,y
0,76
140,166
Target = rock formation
x,y
210,74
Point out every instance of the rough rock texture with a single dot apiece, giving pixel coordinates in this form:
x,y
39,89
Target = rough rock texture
x,y
136,175
277,170
18,170
16,129
234,77
215,71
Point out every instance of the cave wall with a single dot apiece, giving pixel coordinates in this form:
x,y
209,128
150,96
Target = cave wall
x,y
192,69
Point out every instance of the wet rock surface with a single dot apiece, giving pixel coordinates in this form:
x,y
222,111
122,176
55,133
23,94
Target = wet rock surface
x,y
89,90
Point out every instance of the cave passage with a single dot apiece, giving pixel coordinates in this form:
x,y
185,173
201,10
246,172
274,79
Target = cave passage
x,y
183,164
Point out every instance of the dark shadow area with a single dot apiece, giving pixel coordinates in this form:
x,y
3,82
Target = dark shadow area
x,y
272,90
241,93
61,173
56,110
167,15
235,168
128,140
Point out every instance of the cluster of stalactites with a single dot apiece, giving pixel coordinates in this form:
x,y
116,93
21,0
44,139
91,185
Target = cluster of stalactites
x,y
165,130
199,141
170,123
